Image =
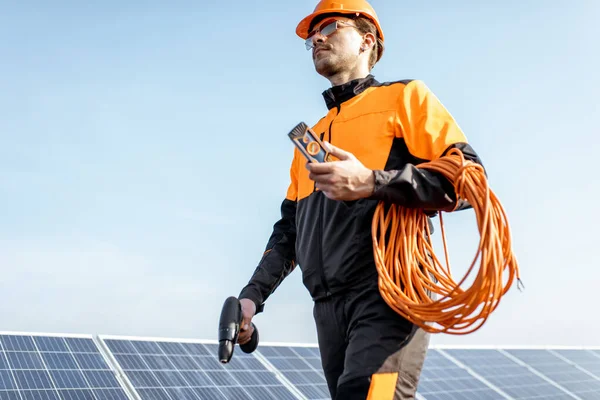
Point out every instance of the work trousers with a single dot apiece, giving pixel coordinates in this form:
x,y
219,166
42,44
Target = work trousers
x,y
368,351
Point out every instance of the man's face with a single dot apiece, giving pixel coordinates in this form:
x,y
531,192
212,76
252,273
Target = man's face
x,y
336,45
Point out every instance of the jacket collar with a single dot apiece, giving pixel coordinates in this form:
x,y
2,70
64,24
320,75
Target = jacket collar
x,y
336,95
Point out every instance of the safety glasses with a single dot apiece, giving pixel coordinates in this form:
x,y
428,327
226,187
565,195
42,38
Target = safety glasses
x,y
327,28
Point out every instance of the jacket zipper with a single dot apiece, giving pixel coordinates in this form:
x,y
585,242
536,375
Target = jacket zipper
x,y
320,219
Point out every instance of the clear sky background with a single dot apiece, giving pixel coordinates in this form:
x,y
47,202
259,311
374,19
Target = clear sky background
x,y
143,157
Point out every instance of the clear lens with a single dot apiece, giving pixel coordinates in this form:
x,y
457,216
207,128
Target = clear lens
x,y
329,28
309,43
325,30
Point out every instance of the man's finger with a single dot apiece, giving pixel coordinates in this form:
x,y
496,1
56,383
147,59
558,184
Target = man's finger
x,y
321,178
323,187
337,152
245,334
242,339
320,168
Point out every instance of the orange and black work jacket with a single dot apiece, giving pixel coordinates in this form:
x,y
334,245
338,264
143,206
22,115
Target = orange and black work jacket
x,y
391,128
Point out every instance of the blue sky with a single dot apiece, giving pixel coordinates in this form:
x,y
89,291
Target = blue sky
x,y
144,157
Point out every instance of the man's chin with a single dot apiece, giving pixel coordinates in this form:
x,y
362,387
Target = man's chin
x,y
324,68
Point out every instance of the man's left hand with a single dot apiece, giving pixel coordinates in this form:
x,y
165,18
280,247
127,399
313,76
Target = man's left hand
x,y
345,180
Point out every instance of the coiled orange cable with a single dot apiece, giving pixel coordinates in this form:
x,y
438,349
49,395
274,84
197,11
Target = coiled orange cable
x,y
412,280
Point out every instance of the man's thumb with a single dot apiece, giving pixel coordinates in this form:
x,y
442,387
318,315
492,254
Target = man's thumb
x,y
336,151
246,323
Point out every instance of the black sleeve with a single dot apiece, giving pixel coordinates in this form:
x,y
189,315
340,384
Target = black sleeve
x,y
414,187
278,260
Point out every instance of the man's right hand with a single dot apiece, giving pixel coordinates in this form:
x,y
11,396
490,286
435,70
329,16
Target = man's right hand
x,y
246,329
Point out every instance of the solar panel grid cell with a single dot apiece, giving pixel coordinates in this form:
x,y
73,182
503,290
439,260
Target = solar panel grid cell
x,y
583,384
180,370
515,380
49,367
442,379
585,359
301,366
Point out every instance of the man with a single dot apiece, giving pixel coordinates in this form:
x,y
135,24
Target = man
x,y
379,132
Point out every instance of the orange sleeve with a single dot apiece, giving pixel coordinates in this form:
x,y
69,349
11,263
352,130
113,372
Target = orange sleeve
x,y
428,130
292,191
427,126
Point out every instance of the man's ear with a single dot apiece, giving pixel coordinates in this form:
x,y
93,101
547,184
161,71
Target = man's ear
x,y
369,41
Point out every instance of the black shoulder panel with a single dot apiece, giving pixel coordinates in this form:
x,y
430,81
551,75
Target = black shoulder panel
x,y
403,81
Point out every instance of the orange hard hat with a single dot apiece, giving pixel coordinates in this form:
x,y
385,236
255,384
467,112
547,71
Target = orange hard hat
x,y
339,6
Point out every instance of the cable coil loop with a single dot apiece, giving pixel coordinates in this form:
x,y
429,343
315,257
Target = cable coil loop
x,y
413,281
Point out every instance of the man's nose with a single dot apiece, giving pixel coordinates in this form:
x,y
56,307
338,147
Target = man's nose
x,y
318,38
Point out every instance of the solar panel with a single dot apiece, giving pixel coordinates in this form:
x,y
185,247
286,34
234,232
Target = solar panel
x,y
584,359
40,367
577,381
510,377
301,366
188,370
442,379
73,367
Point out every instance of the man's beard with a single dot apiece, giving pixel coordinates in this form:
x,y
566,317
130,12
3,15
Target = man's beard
x,y
327,64
331,65
328,67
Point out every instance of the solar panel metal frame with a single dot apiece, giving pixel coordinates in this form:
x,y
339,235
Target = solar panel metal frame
x,y
98,347
256,355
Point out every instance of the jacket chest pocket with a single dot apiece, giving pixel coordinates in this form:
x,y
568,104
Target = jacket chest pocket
x,y
369,137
